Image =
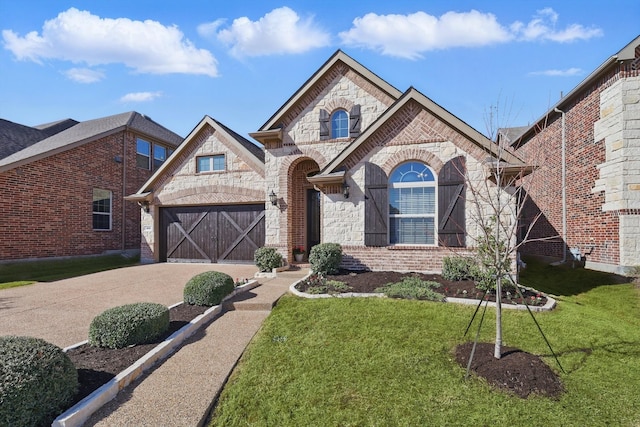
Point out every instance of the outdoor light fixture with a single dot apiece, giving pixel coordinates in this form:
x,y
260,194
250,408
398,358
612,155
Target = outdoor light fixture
x,y
273,198
145,206
345,190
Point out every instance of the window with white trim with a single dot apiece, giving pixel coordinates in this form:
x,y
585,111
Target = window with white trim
x,y
159,155
412,205
143,154
215,163
102,203
339,124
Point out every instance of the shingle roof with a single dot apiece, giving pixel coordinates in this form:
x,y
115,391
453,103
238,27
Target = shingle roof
x,y
88,131
15,137
54,127
253,148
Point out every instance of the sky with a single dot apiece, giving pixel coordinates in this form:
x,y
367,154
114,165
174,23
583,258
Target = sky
x,y
490,63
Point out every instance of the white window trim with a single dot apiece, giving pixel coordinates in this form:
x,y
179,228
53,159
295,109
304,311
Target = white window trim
x,y
211,158
331,124
434,184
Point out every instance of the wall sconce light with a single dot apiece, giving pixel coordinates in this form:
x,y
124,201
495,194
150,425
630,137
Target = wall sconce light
x,y
273,198
345,190
144,205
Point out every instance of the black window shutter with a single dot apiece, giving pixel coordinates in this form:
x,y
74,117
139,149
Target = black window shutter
x,y
375,206
451,204
324,125
354,121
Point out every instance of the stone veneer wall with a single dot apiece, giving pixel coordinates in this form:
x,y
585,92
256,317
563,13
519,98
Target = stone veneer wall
x,y
239,183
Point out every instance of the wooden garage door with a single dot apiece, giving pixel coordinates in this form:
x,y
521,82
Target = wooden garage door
x,y
211,233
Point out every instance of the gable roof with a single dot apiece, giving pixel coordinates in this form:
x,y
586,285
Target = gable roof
x,y
89,131
630,52
339,56
254,155
333,170
57,126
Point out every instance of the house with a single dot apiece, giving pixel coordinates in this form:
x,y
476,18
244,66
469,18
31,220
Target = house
x,y
62,184
347,159
587,148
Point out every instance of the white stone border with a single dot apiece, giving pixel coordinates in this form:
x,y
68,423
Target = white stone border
x,y
551,303
80,412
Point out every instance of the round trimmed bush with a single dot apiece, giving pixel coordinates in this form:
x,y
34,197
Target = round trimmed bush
x,y
267,259
325,258
37,381
130,324
208,288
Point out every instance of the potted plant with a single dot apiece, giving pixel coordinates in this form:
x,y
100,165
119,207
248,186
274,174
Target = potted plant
x,y
298,253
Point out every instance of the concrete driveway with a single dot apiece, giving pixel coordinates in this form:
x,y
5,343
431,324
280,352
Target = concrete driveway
x,y
60,312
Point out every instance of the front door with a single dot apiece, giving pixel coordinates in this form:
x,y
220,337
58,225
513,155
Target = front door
x,y
313,218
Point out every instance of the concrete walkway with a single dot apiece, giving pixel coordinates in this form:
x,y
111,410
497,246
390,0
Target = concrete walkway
x,y
180,392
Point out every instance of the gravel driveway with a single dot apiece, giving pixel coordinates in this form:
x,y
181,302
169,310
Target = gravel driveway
x,y
60,312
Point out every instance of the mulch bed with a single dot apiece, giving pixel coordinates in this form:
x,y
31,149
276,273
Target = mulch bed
x,y
96,366
369,281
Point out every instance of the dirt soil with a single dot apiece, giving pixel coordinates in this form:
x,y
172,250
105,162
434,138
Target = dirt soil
x,y
96,366
516,371
369,281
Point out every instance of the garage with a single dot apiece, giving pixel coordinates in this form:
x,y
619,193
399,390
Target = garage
x,y
214,234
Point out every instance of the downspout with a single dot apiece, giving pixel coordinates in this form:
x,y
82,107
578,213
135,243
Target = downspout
x,y
564,188
124,190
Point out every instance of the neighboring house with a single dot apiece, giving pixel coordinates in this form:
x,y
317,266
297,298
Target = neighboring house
x,y
347,159
589,145
62,184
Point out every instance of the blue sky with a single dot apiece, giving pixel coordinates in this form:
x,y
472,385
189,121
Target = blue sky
x,y
238,62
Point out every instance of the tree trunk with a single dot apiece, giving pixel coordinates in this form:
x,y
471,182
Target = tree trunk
x,y
497,351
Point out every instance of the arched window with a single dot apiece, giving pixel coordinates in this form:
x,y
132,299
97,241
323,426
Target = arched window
x,y
412,205
339,124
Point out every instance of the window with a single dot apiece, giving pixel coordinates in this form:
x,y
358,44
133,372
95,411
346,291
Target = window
x,y
412,205
339,124
159,155
101,209
143,154
210,163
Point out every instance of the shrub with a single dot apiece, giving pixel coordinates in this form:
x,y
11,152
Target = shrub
x,y
459,268
412,287
208,288
325,258
37,381
267,259
130,324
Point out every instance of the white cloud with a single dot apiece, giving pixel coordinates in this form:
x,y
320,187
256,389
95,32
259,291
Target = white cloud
x,y
140,96
543,27
80,37
410,36
558,73
84,75
278,32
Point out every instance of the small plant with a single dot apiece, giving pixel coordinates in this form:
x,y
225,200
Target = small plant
x,y
208,288
317,289
298,250
37,381
267,259
412,287
325,258
129,324
457,268
336,286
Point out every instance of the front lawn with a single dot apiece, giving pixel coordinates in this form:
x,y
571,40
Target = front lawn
x,y
27,272
344,362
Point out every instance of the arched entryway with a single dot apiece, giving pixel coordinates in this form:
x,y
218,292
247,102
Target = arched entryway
x,y
304,213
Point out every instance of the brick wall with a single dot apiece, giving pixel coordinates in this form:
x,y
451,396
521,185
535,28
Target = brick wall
x,y
588,228
46,205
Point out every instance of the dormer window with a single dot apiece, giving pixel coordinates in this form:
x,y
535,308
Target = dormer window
x,y
339,124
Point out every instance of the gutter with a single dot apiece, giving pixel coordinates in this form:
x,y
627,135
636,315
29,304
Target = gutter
x,y
564,185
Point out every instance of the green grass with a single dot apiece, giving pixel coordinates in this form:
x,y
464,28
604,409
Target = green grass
x,y
24,273
385,362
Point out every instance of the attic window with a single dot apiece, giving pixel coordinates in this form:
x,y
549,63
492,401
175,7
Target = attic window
x,y
339,124
215,163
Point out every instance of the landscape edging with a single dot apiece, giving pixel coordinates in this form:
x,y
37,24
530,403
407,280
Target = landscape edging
x,y
550,305
81,411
